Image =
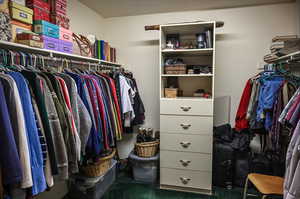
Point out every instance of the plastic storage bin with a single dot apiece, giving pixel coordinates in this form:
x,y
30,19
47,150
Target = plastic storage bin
x,y
92,188
144,169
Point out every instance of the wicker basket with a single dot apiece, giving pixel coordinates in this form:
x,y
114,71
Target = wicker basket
x,y
146,149
175,69
100,167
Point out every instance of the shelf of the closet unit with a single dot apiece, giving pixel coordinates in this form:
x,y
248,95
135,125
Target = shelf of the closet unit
x,y
16,46
187,75
188,98
186,28
297,53
202,51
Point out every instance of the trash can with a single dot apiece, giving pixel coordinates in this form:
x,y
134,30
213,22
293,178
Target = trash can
x,y
91,188
144,169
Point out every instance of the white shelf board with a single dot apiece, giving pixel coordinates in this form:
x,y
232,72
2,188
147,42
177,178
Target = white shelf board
x,y
186,28
297,53
202,51
13,46
188,98
187,75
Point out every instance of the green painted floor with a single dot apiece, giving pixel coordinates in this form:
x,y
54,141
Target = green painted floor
x,y
126,188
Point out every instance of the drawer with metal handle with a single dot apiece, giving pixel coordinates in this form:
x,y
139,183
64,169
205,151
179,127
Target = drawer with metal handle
x,y
185,178
201,107
186,143
186,124
186,160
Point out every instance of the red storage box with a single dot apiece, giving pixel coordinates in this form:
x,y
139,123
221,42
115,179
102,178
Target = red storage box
x,y
43,4
61,21
59,7
29,36
40,14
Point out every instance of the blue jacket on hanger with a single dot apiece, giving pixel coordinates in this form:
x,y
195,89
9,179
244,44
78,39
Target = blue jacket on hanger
x,y
35,150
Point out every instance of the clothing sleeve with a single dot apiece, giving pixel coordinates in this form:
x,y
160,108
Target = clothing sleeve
x,y
9,158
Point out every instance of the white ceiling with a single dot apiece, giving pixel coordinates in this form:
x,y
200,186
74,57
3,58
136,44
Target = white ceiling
x,y
117,8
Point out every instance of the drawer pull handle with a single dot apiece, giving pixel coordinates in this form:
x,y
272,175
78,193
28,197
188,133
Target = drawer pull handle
x,y
185,126
185,144
185,163
184,180
186,108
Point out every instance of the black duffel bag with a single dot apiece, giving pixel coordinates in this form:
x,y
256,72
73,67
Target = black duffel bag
x,y
223,162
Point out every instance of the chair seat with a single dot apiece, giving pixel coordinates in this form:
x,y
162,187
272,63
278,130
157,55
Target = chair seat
x,y
266,184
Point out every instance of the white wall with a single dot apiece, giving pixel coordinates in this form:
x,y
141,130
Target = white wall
x,y
298,16
241,45
84,20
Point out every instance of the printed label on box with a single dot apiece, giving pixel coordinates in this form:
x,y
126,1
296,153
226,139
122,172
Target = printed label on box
x,y
51,45
23,15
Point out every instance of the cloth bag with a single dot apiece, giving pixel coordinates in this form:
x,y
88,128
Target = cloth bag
x,y
81,45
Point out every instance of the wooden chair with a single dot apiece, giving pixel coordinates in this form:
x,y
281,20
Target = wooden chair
x,y
265,184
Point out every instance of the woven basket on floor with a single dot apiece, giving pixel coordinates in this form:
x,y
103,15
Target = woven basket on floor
x,y
100,167
146,149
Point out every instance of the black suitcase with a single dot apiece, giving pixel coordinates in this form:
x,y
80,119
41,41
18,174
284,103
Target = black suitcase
x,y
261,164
223,162
242,168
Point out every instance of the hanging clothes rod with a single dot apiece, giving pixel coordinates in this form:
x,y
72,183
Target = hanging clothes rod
x,y
52,53
295,56
32,59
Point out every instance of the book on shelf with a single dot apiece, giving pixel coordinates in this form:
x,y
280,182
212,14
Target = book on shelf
x,y
209,42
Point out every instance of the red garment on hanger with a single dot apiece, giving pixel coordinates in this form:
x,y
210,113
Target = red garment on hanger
x,y
240,120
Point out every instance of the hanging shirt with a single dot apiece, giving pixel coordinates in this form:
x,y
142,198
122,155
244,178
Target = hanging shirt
x,y
38,177
68,103
35,85
9,158
240,120
267,97
126,100
19,128
292,176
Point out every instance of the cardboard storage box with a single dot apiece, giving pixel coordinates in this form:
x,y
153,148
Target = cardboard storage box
x,y
19,27
171,92
20,13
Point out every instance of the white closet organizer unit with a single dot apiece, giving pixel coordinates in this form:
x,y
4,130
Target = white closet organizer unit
x,y
186,122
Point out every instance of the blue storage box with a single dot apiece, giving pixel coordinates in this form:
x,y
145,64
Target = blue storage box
x,y
46,28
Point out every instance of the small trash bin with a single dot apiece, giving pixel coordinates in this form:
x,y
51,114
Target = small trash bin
x,y
144,169
92,188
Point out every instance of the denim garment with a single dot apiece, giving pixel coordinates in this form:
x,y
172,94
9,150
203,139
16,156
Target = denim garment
x,y
267,97
35,150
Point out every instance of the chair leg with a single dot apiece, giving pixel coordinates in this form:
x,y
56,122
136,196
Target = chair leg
x,y
264,197
245,189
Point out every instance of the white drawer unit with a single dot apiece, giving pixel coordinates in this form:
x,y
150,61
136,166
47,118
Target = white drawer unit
x,y
186,161
186,124
186,143
202,107
184,178
187,111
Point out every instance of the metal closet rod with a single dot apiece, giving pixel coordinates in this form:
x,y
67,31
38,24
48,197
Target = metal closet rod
x,y
32,50
68,60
